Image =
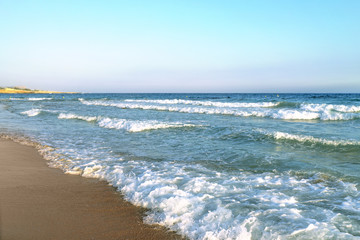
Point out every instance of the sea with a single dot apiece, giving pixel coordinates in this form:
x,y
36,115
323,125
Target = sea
x,y
208,166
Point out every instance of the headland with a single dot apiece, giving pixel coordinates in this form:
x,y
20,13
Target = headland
x,y
25,90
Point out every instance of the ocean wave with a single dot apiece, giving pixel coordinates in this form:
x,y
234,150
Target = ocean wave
x,y
139,126
39,99
32,112
271,113
35,111
294,115
206,103
30,99
17,99
287,105
127,125
330,107
204,206
309,139
302,113
74,116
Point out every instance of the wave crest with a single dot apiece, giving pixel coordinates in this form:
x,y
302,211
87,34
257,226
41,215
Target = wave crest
x,y
305,112
330,107
39,99
74,116
32,112
309,139
206,103
124,124
139,126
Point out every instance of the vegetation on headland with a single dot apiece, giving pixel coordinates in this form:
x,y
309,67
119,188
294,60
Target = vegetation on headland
x,y
25,90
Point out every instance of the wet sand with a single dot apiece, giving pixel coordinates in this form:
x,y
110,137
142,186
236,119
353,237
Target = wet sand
x,y
38,202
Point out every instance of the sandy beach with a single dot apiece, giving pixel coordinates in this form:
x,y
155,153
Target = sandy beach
x,y
38,202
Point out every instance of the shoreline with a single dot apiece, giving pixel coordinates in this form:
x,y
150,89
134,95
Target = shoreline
x,y
14,90
39,202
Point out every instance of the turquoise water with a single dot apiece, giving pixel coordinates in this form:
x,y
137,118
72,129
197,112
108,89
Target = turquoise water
x,y
210,166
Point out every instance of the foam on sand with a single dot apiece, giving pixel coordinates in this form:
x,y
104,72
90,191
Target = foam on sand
x,y
44,206
198,205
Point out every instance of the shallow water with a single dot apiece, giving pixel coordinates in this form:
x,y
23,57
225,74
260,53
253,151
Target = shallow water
x,y
210,166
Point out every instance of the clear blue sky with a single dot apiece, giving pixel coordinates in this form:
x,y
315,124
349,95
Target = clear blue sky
x,y
181,46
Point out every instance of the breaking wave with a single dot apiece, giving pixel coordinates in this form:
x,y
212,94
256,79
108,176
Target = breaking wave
x,y
139,126
35,111
330,107
206,103
303,113
309,139
30,99
197,205
127,125
39,99
32,112
74,116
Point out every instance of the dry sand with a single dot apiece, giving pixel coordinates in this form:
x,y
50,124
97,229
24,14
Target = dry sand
x,y
38,202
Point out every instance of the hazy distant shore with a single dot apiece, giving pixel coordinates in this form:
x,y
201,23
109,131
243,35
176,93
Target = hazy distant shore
x,y
27,90
38,202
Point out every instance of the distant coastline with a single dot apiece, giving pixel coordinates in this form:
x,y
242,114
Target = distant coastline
x,y
28,90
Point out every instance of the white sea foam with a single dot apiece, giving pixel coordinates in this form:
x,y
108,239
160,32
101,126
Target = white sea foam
x,y
294,115
38,99
125,124
323,112
30,99
35,111
204,205
74,116
206,103
310,139
32,112
17,99
138,126
330,107
199,206
333,112
288,114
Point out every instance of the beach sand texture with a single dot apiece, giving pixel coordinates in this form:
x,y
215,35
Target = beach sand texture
x,y
38,202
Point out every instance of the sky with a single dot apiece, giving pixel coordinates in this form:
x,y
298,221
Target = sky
x,y
181,46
